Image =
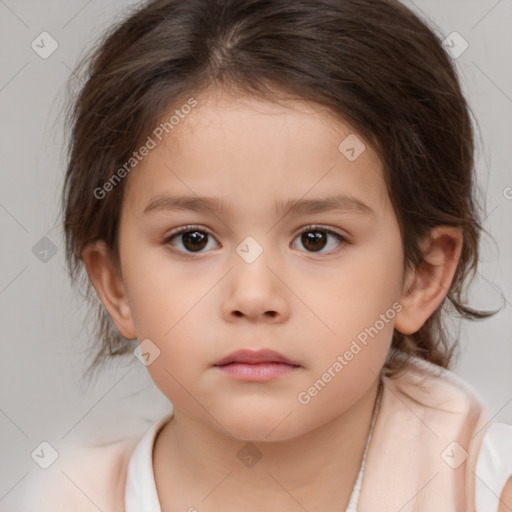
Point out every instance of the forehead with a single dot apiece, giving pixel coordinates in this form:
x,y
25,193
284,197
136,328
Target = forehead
x,y
249,122
246,148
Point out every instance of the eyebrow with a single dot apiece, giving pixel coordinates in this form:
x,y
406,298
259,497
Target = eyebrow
x,y
339,203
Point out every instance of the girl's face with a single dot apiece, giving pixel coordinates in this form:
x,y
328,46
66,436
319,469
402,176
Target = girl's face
x,y
297,250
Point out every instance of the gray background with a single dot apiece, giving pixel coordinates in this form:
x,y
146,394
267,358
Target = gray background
x,y
41,394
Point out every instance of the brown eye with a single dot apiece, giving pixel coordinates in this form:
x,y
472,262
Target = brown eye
x,y
315,239
191,240
194,240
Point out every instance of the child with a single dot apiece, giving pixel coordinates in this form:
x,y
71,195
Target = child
x,y
300,377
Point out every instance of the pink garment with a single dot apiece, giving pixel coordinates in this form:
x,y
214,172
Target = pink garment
x,y
431,436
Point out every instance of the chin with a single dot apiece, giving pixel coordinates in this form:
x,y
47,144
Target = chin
x,y
266,427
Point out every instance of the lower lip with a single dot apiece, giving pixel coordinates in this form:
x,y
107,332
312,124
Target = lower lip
x,y
258,372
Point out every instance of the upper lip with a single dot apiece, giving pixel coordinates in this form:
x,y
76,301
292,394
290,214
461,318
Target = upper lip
x,y
254,357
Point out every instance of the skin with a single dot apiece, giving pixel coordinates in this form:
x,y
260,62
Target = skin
x,y
309,306
505,504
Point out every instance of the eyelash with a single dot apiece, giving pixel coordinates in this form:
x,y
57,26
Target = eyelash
x,y
313,227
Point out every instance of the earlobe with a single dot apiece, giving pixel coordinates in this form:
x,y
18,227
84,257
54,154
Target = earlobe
x,y
427,285
109,286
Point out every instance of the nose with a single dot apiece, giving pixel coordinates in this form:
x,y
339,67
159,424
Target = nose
x,y
256,292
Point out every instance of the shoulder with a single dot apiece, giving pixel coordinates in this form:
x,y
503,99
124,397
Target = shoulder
x,y
439,394
465,440
83,479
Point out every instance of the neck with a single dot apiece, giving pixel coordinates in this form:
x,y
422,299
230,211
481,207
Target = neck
x,y
197,465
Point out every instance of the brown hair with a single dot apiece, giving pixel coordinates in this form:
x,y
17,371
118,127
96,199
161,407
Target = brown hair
x,y
373,63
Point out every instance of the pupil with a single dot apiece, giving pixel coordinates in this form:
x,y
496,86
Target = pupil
x,y
312,238
196,239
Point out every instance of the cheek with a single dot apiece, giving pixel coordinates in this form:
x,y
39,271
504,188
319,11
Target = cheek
x,y
159,290
359,305
365,285
169,304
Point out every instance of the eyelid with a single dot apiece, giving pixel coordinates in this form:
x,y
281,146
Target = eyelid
x,y
184,229
309,227
320,227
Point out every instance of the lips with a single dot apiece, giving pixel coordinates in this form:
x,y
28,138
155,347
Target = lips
x,y
255,357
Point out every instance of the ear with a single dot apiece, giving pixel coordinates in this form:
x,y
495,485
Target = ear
x,y
426,286
110,287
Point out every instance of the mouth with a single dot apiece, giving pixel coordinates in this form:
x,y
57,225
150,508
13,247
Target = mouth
x,y
256,366
255,357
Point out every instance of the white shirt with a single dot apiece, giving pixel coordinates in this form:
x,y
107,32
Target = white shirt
x,y
494,468
141,492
